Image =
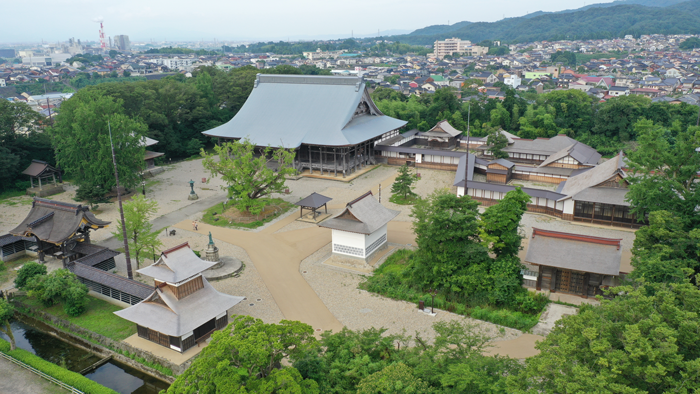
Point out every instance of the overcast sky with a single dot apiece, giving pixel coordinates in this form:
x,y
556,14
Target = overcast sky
x,y
143,20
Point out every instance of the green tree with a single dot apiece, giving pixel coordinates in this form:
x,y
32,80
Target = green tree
x,y
81,140
245,357
140,237
450,255
663,172
500,117
690,44
404,183
642,341
616,117
126,73
20,141
394,379
500,224
497,141
60,286
113,54
246,173
7,312
27,272
664,251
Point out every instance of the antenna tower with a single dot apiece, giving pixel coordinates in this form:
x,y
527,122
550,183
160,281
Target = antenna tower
x,y
103,43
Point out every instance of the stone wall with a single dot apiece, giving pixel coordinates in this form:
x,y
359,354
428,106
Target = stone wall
x,y
104,346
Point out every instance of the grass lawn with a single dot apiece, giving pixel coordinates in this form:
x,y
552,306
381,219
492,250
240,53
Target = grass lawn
x,y
98,317
400,200
387,280
214,217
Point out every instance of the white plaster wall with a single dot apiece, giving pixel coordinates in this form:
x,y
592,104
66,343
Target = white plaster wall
x,y
369,239
348,239
569,206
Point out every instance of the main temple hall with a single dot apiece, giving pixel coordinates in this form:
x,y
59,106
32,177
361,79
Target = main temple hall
x,y
331,122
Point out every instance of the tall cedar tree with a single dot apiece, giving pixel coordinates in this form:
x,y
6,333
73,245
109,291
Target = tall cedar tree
x,y
246,172
81,140
404,183
142,240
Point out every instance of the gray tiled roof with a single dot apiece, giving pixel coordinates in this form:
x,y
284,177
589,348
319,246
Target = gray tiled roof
x,y
179,317
365,216
314,200
176,265
572,254
117,282
605,195
55,221
594,176
290,110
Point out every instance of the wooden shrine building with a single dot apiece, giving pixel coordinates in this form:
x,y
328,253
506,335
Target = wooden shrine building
x,y
183,308
312,202
56,227
442,136
573,263
331,122
41,170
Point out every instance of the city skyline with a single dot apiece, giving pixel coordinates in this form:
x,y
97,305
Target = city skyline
x,y
279,20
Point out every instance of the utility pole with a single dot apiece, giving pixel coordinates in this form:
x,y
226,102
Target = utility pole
x,y
466,162
121,209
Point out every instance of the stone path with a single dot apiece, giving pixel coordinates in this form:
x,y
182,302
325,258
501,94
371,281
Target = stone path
x,y
17,380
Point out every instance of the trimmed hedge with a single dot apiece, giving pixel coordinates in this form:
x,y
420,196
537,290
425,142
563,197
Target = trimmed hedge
x,y
74,379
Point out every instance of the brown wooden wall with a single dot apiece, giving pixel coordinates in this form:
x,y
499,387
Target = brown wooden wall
x,y
437,166
184,289
497,167
496,178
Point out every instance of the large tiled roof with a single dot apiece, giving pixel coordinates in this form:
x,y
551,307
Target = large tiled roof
x,y
574,252
364,215
128,286
290,110
56,221
163,312
594,176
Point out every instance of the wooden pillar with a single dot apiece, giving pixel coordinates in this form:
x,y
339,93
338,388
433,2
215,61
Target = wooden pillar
x,y
335,163
538,285
344,167
354,159
586,279
311,162
31,180
592,213
39,182
54,182
612,216
320,156
552,282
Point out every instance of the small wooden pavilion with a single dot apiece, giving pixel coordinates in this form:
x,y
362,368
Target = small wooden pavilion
x,y
312,202
183,309
41,170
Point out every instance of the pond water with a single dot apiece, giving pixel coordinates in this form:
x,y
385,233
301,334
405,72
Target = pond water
x,y
117,376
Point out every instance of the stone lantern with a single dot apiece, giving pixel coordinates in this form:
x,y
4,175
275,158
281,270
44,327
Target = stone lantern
x,y
193,195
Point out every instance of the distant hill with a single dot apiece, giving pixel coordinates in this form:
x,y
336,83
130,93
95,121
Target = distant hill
x,y
597,21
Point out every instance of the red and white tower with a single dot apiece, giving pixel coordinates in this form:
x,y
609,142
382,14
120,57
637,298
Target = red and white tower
x,y
103,43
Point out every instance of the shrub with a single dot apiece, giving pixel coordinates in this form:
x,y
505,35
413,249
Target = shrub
x,y
27,272
60,286
74,379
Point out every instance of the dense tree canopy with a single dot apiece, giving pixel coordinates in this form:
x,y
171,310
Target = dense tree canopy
x,y
81,140
644,341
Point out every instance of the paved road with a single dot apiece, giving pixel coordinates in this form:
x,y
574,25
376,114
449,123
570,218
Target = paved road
x,y
17,380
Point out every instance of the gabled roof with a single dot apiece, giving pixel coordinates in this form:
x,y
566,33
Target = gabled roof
x,y
594,176
574,252
290,110
440,129
163,312
502,162
582,153
56,221
363,215
176,265
39,168
117,282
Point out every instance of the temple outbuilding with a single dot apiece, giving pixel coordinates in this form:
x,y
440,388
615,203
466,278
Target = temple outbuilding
x,y
360,230
41,170
183,309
